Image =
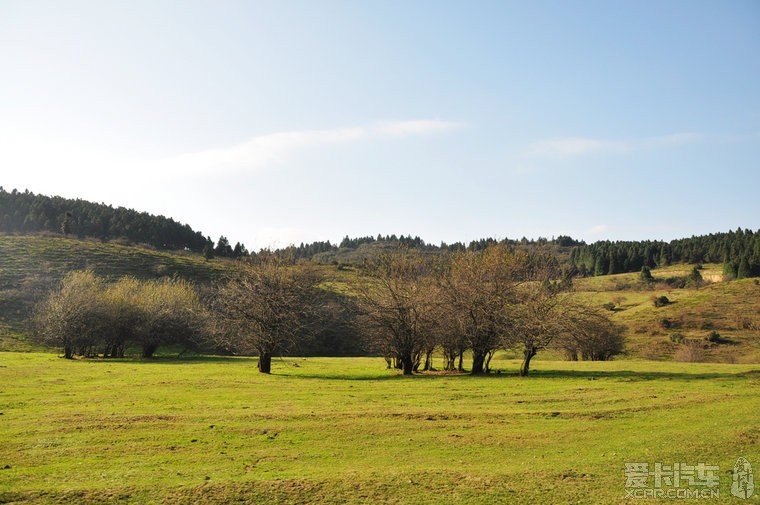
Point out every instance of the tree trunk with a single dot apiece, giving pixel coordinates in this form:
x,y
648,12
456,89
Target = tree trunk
x,y
68,352
478,362
265,362
461,361
488,361
528,354
149,350
428,360
407,364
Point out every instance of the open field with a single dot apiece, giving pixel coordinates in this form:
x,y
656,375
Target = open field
x,y
337,430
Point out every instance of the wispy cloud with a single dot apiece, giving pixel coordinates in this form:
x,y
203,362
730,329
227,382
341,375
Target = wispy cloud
x,y
572,147
276,148
563,148
597,230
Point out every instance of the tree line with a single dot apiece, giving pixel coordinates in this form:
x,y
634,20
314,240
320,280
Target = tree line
x,y
26,213
739,251
404,306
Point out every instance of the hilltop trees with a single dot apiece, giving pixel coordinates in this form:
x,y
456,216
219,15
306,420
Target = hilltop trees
x,y
265,309
730,248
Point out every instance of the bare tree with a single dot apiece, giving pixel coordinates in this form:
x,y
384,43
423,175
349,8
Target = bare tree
x,y
538,320
394,305
480,289
589,334
265,308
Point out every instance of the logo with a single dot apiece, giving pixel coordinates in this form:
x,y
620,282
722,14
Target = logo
x,y
743,485
677,480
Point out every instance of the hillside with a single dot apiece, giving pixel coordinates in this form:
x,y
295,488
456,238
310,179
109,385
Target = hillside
x,y
32,265
729,308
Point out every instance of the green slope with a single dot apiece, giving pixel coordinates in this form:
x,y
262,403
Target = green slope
x,y
732,309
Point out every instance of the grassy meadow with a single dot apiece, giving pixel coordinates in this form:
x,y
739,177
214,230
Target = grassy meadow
x,y
346,430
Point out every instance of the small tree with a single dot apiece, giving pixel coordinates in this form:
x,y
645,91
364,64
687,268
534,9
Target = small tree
x,y
66,223
72,317
646,274
589,334
208,251
540,316
695,278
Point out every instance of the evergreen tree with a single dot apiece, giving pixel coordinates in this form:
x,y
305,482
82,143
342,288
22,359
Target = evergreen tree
x,y
66,223
744,269
646,274
208,251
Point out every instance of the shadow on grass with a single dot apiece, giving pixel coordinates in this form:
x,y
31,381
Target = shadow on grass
x,y
174,360
285,369
621,375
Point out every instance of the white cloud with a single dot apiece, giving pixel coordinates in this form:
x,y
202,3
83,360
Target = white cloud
x,y
276,148
563,148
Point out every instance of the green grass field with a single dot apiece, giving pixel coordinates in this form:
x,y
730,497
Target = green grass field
x,y
345,430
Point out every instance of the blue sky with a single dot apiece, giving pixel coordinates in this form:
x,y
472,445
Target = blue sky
x,y
284,121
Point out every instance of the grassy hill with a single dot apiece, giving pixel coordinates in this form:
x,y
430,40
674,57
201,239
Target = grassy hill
x,y
31,265
730,309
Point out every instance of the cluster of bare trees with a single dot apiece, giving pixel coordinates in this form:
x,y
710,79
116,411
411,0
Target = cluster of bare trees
x,y
478,302
88,316
406,304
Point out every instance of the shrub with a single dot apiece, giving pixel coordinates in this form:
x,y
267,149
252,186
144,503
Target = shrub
x,y
714,337
690,351
677,338
87,317
660,301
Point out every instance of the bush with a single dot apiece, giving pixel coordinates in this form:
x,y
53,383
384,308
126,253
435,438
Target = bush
x,y
660,301
88,317
714,338
690,352
677,338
